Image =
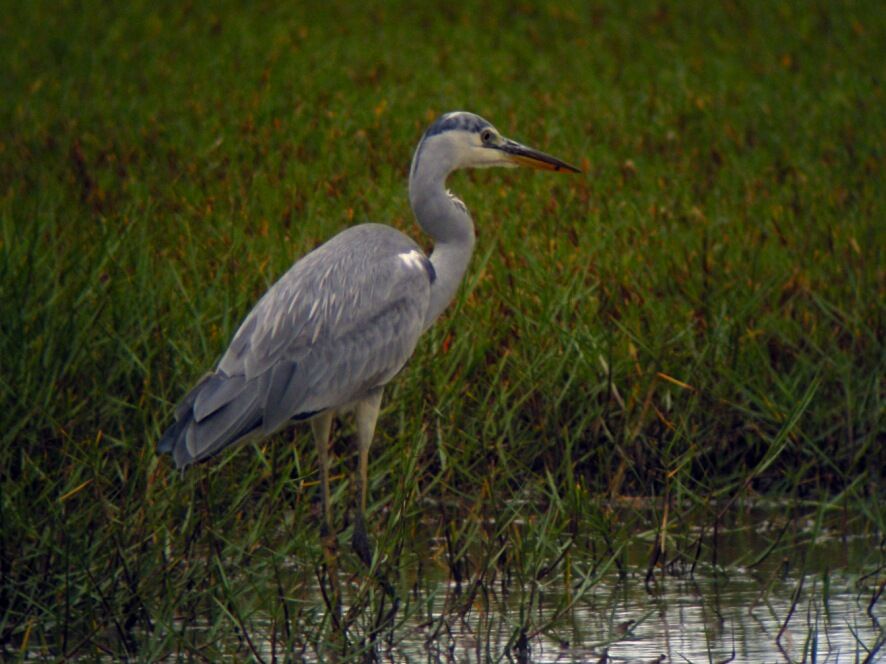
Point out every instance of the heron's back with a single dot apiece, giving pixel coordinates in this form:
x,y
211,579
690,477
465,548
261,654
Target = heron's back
x,y
343,320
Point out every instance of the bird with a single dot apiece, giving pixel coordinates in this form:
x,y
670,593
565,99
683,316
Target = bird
x,y
329,335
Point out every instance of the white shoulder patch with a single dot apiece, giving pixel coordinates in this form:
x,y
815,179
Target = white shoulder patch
x,y
412,259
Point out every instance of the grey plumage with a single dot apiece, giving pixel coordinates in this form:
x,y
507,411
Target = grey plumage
x,y
346,317
342,321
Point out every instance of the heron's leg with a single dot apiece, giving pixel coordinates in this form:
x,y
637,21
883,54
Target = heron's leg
x,y
367,414
321,425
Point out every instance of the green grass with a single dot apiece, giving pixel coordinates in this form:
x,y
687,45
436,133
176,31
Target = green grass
x,y
697,319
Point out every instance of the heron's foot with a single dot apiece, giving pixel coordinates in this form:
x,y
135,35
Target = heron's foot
x,y
360,541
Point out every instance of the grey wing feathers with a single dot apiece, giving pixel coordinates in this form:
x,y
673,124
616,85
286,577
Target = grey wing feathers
x,y
342,321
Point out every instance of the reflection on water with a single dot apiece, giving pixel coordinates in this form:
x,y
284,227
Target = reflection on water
x,y
765,590
705,620
786,606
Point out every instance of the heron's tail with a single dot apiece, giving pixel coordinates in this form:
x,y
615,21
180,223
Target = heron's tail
x,y
216,413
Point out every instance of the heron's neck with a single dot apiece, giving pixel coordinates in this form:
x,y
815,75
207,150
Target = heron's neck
x,y
449,223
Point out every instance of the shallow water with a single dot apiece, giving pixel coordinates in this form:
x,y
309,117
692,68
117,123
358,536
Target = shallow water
x,y
769,589
700,620
820,602
728,618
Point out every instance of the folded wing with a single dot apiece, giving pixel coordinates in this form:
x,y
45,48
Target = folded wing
x,y
341,322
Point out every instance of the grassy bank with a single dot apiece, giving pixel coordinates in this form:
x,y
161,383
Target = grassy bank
x,y
697,319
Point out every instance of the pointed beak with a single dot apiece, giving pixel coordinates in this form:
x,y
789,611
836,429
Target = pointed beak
x,y
523,156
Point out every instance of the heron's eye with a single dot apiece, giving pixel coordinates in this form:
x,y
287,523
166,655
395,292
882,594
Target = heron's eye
x,y
487,136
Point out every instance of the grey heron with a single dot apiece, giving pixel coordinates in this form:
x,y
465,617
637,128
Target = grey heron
x,y
344,319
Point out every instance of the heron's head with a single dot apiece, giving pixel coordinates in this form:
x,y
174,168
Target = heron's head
x,y
465,140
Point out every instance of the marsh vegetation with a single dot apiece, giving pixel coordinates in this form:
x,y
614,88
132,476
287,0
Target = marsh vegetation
x,y
639,359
